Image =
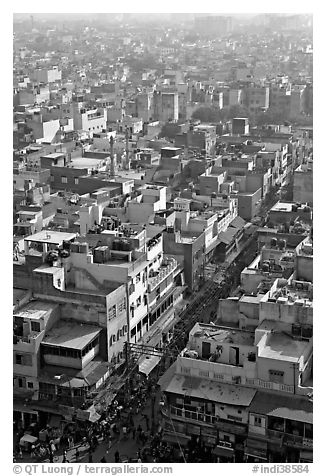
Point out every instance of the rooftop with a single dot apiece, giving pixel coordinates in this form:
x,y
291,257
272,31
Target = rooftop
x,y
209,390
52,237
71,334
281,346
282,207
85,162
288,407
221,334
35,309
54,155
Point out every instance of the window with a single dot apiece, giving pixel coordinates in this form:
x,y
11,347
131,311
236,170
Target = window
x,y
64,179
18,359
76,181
122,305
276,376
30,384
257,421
112,313
203,373
51,178
185,370
35,326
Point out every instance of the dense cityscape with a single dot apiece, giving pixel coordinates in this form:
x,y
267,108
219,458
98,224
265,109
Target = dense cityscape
x,y
163,238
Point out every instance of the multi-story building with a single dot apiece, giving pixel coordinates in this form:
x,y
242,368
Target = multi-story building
x,y
166,106
303,183
44,75
256,98
211,388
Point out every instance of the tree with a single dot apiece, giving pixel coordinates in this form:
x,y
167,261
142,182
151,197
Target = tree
x,y
208,114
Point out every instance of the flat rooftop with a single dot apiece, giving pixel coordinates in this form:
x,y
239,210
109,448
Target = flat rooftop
x,y
282,207
54,155
51,237
251,299
85,162
71,334
35,309
222,334
282,347
210,390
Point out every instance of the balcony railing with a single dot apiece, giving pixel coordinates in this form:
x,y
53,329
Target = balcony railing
x,y
163,272
256,382
289,439
190,415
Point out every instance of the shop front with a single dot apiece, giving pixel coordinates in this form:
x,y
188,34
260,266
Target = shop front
x,y
255,451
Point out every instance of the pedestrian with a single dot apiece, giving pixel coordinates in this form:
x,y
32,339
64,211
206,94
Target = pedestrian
x,y
124,431
90,457
77,454
117,457
133,433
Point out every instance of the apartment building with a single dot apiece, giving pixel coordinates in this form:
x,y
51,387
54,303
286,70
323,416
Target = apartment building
x,y
166,106
256,98
44,75
303,183
210,390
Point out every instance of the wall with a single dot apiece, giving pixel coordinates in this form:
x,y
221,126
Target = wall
x,y
303,187
283,312
304,268
228,311
248,205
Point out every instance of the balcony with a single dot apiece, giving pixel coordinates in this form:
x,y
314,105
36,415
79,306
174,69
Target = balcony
x,y
168,266
281,387
184,414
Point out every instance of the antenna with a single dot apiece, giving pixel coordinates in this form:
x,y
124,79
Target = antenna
x,y
112,168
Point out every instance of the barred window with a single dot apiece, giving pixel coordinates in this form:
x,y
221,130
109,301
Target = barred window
x,y
112,312
122,305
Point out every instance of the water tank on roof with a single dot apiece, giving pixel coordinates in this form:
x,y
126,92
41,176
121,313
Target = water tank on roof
x,y
125,245
116,245
265,267
66,245
273,242
74,248
83,248
281,244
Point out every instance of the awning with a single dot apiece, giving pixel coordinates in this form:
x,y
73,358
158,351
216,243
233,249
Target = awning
x,y
223,451
148,364
176,438
55,421
88,415
256,449
93,417
307,455
27,439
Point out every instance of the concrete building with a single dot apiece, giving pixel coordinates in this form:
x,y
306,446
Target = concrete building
x,y
166,106
303,183
256,98
44,75
210,389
